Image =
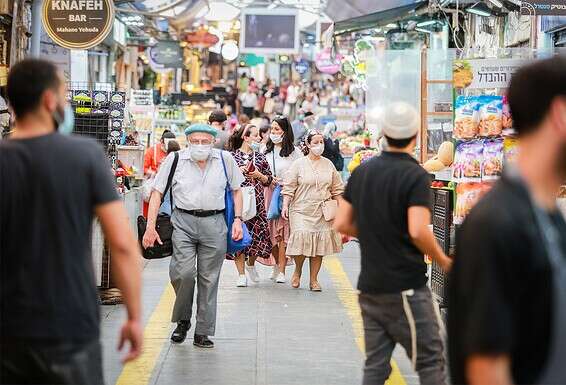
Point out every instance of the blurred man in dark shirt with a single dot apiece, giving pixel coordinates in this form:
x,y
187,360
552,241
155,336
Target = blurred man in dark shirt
x,y
51,187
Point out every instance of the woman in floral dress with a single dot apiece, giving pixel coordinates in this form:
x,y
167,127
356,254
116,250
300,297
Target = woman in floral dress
x,y
245,144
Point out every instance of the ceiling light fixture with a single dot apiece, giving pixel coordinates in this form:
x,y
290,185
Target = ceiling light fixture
x,y
426,23
422,30
480,9
497,3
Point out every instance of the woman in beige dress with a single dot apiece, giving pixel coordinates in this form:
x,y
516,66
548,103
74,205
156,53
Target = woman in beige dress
x,y
311,192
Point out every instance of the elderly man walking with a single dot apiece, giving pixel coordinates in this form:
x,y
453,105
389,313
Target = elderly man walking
x,y
200,230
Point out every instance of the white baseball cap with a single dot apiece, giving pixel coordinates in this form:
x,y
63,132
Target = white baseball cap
x,y
400,120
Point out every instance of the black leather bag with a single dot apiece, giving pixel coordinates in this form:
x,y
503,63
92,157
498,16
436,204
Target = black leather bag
x,y
163,225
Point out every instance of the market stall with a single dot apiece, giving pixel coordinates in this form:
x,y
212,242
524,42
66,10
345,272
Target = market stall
x,y
99,114
482,139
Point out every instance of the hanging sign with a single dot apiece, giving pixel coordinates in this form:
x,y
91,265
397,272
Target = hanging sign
x,y
543,7
485,73
326,64
167,54
301,66
78,24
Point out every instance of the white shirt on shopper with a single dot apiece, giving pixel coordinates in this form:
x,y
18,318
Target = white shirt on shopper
x,y
249,100
292,94
282,164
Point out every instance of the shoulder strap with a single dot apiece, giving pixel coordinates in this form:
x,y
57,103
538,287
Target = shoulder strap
x,y
170,178
274,170
224,166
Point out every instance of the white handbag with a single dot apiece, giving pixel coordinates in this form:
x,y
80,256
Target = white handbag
x,y
249,209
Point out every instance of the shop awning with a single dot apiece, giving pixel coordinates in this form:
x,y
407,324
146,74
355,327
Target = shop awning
x,y
377,18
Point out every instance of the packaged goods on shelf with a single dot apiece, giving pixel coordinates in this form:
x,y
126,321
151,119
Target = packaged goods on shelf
x,y
466,119
467,195
492,165
468,161
491,115
510,149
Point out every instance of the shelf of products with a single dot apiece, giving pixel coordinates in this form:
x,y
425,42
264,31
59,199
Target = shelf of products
x,y
199,111
170,118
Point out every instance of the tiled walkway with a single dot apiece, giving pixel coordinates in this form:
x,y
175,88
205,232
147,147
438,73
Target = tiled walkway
x,y
267,334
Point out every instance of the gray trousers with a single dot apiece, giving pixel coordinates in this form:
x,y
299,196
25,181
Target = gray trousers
x,y
199,249
410,319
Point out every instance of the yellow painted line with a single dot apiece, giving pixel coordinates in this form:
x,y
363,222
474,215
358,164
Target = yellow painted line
x,y
349,298
157,329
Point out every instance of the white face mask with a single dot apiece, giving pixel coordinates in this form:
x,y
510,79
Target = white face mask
x,y
255,146
276,138
318,149
200,152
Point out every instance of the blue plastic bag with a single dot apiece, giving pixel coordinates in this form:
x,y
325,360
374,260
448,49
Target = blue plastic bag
x,y
232,245
276,203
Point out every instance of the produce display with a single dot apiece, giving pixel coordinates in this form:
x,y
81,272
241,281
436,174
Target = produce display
x,y
443,159
360,157
349,144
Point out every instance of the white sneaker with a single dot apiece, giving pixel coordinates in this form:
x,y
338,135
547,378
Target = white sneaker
x,y
242,281
280,278
252,272
275,273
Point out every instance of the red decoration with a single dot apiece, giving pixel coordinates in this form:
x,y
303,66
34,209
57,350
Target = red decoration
x,y
201,38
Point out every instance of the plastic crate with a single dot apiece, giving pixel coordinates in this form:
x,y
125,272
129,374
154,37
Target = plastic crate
x,y
442,225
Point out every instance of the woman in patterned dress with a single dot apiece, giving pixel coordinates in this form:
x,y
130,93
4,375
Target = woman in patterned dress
x,y
244,145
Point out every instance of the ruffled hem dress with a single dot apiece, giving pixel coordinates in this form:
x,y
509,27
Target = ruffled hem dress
x,y
309,183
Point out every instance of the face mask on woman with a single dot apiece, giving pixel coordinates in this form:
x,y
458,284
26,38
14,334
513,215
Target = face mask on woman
x,y
200,152
318,149
255,146
276,138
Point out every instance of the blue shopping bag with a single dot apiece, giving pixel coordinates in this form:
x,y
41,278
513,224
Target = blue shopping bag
x,y
232,245
276,203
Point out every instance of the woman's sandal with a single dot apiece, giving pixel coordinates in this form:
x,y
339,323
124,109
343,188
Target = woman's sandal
x,y
295,281
315,287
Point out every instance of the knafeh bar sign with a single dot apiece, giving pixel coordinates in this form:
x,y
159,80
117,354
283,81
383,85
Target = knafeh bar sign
x,y
78,24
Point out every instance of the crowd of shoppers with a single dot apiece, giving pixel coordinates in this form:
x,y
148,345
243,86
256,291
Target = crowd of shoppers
x,y
507,293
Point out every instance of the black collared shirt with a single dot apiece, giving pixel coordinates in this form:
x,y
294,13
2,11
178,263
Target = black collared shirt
x,y
500,294
381,191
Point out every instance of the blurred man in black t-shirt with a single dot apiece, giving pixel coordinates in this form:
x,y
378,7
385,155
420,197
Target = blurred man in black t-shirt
x,y
387,206
51,187
507,295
